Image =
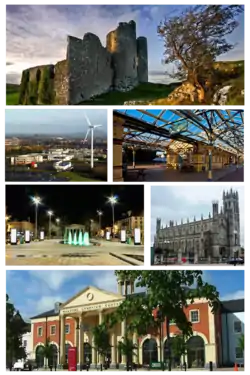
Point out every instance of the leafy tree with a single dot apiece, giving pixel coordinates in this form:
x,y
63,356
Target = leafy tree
x,y
241,342
15,328
101,340
178,346
48,352
170,292
194,39
128,348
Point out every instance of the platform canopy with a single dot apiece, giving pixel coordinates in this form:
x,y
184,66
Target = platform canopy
x,y
179,130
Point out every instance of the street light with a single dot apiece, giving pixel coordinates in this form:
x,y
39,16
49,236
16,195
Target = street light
x,y
50,213
36,200
113,200
100,213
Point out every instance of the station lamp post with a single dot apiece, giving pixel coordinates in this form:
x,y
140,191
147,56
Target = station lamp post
x,y
100,213
36,200
113,200
58,223
50,213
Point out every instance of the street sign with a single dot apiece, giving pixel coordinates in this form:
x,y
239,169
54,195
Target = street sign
x,y
156,365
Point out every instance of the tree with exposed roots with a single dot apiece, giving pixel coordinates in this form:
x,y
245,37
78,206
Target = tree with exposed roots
x,y
168,292
194,40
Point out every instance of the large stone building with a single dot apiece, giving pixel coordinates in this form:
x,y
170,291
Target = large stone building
x,y
89,69
214,237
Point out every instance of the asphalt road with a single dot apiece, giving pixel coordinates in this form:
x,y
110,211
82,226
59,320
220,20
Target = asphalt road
x,y
51,252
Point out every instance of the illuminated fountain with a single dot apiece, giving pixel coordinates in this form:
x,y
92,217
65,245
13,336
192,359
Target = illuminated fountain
x,y
76,235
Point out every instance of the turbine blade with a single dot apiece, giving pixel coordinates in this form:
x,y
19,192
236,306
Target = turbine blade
x,y
87,119
86,136
97,126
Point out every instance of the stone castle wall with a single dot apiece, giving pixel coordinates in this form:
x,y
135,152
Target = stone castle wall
x,y
89,69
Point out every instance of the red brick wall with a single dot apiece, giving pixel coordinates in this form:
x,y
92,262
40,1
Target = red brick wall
x,y
70,337
202,326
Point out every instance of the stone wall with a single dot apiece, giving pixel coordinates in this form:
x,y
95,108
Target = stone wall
x,y
142,59
37,85
90,71
121,43
61,83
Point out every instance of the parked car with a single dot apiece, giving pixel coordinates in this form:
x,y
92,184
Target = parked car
x,y
28,365
236,261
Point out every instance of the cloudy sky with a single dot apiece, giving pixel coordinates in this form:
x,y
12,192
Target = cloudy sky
x,y
37,34
53,121
187,202
41,289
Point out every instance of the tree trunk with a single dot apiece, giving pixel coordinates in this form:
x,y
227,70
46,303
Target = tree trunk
x,y
169,344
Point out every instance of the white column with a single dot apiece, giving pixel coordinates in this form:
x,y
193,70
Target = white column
x,y
94,352
113,349
62,340
135,342
123,332
100,359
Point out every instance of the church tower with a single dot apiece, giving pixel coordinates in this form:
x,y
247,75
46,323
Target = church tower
x,y
232,214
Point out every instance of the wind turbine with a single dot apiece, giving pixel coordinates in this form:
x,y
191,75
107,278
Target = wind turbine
x,y
91,129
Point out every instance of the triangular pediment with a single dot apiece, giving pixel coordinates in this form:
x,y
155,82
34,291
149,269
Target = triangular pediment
x,y
91,295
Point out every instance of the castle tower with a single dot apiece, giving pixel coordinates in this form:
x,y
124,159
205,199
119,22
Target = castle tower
x,y
232,214
215,208
122,45
158,225
142,59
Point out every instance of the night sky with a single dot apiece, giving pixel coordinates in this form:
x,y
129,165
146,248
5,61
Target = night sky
x,y
73,204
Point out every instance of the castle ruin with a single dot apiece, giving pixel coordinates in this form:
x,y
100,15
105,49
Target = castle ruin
x,y
89,69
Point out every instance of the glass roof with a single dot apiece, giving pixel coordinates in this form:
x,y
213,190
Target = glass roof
x,y
176,129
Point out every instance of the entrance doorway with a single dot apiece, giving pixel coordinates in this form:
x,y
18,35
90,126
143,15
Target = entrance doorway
x,y
52,360
40,356
149,351
87,350
196,352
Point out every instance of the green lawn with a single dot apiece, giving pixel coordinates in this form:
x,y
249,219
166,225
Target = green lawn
x,y
12,94
143,92
72,176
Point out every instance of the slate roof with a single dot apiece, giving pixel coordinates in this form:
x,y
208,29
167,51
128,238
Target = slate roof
x,y
232,306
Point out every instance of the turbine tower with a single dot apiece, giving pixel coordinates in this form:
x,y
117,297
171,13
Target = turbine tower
x,y
91,129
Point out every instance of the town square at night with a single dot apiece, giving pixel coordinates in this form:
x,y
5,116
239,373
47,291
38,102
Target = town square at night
x,y
74,225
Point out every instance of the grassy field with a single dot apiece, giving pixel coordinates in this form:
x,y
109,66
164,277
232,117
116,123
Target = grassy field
x,y
12,94
143,92
75,177
154,92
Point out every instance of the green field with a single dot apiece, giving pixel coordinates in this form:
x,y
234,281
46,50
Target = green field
x,y
75,177
12,94
230,73
143,92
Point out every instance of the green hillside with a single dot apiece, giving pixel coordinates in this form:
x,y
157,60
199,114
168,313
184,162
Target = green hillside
x,y
225,73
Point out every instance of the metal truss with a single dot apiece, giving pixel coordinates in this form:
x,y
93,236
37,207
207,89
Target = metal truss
x,y
179,130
